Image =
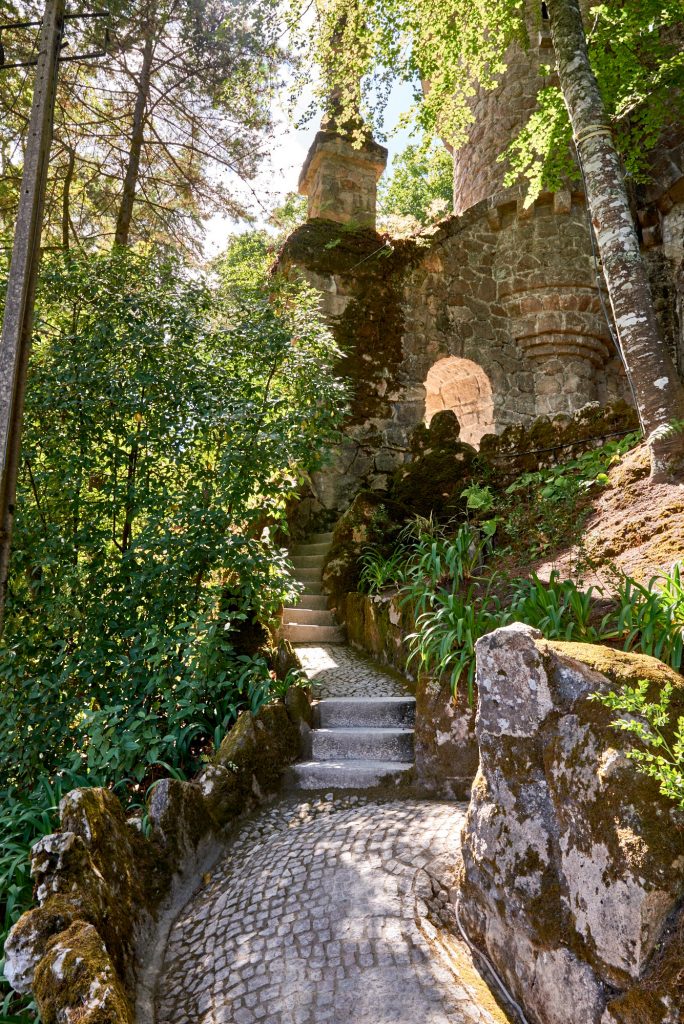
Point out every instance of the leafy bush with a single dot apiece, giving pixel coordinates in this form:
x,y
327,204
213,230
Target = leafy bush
x,y
651,618
660,758
444,641
167,426
558,608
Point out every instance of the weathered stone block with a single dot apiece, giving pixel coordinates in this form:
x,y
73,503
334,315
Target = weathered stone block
x,y
446,748
573,861
76,980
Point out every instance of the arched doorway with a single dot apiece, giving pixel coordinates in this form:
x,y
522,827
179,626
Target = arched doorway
x,y
462,386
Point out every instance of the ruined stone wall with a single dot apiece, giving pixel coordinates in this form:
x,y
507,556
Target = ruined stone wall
x,y
509,292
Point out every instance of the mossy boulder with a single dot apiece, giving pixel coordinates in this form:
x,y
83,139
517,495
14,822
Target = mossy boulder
x,y
367,521
221,792
77,972
28,940
180,819
446,749
573,860
258,748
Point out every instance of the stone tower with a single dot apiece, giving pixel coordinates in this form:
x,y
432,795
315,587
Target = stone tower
x,y
340,178
499,312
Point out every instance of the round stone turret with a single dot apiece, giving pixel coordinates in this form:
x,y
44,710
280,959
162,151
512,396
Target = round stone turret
x,y
500,114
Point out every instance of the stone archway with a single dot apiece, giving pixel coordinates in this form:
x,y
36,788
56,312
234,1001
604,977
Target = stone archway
x,y
462,386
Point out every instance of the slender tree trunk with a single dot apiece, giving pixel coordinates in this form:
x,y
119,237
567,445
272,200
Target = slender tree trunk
x,y
66,196
123,221
658,390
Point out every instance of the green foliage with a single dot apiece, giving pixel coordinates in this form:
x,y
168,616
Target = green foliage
x,y
542,509
243,266
651,618
420,187
479,498
459,47
287,217
558,608
661,756
167,425
378,571
456,583
541,152
444,641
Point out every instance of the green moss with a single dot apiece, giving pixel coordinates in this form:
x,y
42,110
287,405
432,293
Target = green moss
x,y
76,981
371,329
622,668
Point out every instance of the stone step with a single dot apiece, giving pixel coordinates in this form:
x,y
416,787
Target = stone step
x,y
299,634
308,575
314,602
313,588
344,774
308,617
310,549
362,745
372,712
320,538
307,561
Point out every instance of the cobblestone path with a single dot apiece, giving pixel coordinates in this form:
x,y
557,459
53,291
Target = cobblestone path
x,y
334,911
336,670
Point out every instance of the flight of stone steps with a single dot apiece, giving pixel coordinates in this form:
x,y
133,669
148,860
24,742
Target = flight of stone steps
x,y
363,717
311,621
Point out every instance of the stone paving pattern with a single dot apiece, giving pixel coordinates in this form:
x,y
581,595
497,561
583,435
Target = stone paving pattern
x,y
329,912
338,671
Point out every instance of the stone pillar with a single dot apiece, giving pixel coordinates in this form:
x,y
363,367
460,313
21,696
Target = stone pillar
x,y
341,180
547,287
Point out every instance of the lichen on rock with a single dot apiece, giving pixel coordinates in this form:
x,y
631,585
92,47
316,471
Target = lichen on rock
x,y
570,901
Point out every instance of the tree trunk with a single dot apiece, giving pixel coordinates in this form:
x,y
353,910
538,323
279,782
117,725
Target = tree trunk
x,y
123,221
657,388
66,197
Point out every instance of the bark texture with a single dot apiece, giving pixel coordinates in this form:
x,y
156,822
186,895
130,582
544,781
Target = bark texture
x,y
123,221
658,391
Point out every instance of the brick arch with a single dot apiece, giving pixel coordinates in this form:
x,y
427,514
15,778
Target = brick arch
x,y
462,386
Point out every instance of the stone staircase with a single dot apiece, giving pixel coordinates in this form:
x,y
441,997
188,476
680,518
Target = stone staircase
x,y
357,741
311,621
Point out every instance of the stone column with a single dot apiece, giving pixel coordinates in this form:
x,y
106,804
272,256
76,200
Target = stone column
x,y
341,180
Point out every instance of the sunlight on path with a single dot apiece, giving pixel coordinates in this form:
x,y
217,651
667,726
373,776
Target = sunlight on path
x,y
328,913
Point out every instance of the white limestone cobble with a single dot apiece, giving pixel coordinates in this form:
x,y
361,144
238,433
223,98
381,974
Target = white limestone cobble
x,y
327,912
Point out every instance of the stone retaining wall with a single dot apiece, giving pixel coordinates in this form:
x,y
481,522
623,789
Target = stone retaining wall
x,y
101,884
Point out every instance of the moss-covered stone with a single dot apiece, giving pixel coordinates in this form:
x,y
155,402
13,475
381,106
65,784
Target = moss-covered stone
x,y
446,749
573,860
364,523
298,706
369,328
548,441
441,468
179,817
278,745
28,940
259,748
221,791
76,981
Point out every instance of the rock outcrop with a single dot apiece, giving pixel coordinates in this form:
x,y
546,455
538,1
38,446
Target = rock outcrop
x,y
573,874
